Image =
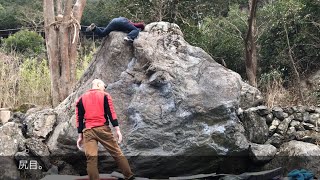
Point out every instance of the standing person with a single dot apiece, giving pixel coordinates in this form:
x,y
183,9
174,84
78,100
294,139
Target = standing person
x,y
119,24
93,110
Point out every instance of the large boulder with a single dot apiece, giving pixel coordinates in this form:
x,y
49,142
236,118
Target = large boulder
x,y
297,155
11,140
176,105
261,153
40,122
255,125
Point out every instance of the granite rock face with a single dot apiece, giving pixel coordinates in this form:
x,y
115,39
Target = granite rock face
x,y
297,155
11,140
178,109
174,102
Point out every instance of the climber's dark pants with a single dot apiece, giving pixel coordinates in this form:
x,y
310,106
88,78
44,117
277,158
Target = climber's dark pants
x,y
118,24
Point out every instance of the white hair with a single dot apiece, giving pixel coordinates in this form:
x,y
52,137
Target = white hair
x,y
96,82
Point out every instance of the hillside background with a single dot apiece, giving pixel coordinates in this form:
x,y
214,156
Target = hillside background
x,y
219,27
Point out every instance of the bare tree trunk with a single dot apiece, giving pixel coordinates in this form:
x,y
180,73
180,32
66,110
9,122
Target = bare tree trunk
x,y
52,49
250,45
61,40
293,67
59,6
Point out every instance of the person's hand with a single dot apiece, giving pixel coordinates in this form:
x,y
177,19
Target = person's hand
x,y
119,137
80,142
118,134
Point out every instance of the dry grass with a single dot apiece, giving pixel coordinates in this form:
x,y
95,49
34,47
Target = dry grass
x,y
9,68
27,80
23,81
271,86
274,94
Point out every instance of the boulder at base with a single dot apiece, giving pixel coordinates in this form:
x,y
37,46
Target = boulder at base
x,y
176,106
297,155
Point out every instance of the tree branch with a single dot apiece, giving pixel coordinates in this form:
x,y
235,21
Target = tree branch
x,y
296,73
78,9
237,29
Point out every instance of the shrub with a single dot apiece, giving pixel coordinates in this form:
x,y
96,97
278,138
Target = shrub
x,y
25,42
271,86
83,64
34,84
27,82
9,70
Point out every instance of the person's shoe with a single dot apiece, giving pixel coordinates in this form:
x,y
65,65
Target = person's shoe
x,y
128,39
91,27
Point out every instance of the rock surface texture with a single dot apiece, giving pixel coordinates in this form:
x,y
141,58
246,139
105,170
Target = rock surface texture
x,y
180,113
176,105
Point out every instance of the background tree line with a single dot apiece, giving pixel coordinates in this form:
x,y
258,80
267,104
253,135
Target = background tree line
x,y
286,31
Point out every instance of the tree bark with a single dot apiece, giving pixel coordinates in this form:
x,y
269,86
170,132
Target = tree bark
x,y
250,45
61,41
59,6
52,47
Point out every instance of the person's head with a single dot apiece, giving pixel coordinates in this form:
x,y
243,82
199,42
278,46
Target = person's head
x,y
139,25
98,84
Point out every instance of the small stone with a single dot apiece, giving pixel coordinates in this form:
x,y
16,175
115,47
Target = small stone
x,y
311,109
295,124
262,152
288,110
301,134
294,109
269,118
276,140
308,126
314,118
291,133
274,125
272,129
263,110
276,122
298,116
278,113
301,109
283,126
306,117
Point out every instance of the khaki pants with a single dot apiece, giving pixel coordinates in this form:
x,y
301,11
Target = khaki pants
x,y
103,134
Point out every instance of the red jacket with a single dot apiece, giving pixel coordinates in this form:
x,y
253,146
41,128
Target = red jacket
x,y
93,109
138,24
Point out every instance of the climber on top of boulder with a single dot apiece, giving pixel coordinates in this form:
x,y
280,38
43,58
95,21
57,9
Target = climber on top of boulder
x,y
119,24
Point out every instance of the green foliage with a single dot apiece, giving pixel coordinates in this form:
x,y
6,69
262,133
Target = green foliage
x,y
25,41
27,80
83,64
300,18
99,12
267,79
223,38
34,84
8,18
11,13
23,81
